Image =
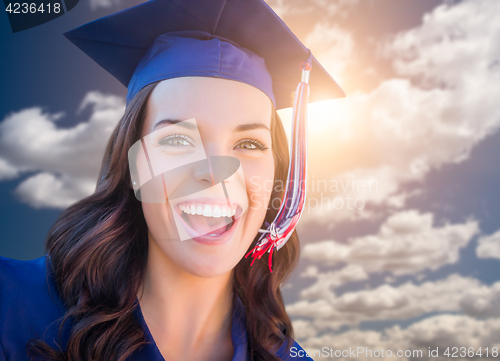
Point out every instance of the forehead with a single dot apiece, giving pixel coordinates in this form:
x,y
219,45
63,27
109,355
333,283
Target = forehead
x,y
208,99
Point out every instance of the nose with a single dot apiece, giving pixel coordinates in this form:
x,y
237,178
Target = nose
x,y
206,171
216,169
203,173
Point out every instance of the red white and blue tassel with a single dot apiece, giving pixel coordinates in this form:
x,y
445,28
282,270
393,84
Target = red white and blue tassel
x,y
292,203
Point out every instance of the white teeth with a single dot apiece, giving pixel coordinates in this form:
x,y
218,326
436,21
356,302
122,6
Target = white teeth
x,y
206,210
216,213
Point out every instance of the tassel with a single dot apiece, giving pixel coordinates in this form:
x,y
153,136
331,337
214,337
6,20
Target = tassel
x,y
292,203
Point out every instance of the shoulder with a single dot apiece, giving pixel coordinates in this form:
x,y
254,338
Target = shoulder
x,y
13,270
25,282
29,303
294,353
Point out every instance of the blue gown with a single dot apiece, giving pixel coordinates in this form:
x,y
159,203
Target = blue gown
x,y
30,307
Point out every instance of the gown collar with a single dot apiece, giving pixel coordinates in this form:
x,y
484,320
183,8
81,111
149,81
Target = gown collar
x,y
239,338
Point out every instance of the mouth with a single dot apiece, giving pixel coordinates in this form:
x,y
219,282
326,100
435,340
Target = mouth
x,y
209,222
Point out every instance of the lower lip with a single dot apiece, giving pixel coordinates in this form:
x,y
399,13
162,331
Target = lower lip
x,y
210,240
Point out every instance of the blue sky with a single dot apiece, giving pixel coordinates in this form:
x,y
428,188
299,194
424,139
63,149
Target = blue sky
x,y
417,265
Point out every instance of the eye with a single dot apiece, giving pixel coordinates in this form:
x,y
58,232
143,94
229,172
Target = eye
x,y
251,144
176,140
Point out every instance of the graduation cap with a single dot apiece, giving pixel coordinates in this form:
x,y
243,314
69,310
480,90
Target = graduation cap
x,y
243,40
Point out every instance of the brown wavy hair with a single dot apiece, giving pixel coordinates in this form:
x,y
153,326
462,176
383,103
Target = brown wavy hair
x,y
97,252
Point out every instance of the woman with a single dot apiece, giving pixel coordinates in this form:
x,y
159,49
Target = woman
x,y
152,266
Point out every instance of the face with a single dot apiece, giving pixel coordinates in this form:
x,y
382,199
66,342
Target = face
x,y
209,144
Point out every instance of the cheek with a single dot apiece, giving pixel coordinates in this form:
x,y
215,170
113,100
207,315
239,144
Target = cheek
x,y
259,178
159,219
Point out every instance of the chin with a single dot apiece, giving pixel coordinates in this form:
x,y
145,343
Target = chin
x,y
205,258
207,268
187,257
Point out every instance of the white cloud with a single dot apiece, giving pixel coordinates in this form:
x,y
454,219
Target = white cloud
x,y
66,161
48,190
440,331
452,38
106,4
334,47
407,242
452,294
7,171
482,301
97,4
443,102
303,329
323,8
489,246
325,281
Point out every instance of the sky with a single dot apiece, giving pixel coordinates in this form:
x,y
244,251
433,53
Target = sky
x,y
400,239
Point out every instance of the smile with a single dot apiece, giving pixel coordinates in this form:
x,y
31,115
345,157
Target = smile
x,y
209,222
207,210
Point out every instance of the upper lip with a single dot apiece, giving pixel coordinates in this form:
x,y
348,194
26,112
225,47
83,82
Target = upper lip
x,y
211,202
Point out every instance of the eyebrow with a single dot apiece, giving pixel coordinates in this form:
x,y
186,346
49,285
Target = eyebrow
x,y
180,123
250,126
191,126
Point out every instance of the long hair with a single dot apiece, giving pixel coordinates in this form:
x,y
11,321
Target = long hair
x,y
97,252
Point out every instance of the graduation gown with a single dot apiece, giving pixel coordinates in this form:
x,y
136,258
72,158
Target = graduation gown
x,y
30,307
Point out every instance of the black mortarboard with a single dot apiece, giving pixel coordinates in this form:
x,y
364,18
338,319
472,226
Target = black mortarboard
x,y
162,39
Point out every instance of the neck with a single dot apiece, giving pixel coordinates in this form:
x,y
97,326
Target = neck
x,y
182,307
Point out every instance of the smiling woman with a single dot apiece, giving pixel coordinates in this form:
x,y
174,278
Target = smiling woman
x,y
231,117
153,265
